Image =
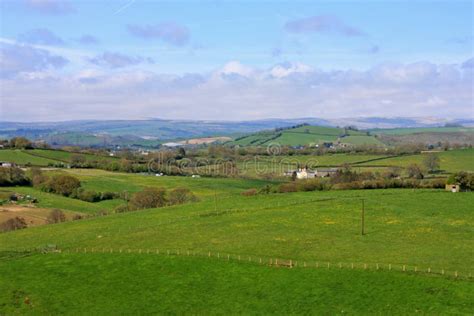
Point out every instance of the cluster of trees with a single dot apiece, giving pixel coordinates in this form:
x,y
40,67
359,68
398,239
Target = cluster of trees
x,y
18,143
463,179
67,185
12,176
157,197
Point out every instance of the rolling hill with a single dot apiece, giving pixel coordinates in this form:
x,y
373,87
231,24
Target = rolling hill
x,y
301,135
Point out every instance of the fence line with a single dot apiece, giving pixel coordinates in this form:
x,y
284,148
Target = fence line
x,y
274,262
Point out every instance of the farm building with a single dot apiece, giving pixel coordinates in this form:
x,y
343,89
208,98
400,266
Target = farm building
x,y
6,164
452,187
304,173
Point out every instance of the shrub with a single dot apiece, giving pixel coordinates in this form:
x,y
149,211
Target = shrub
x,y
249,192
56,216
37,177
463,179
288,187
415,171
181,195
149,198
77,217
121,209
13,224
13,176
62,184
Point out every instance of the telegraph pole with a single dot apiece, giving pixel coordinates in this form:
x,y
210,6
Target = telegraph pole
x,y
363,219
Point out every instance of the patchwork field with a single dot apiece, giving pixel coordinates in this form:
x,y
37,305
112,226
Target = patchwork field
x,y
306,135
229,253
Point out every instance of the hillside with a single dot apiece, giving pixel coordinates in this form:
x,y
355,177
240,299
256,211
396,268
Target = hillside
x,y
406,230
306,135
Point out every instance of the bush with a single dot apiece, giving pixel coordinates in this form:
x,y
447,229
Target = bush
x,y
121,209
249,192
37,177
13,224
415,171
62,184
463,179
149,198
288,187
77,217
180,196
56,216
13,176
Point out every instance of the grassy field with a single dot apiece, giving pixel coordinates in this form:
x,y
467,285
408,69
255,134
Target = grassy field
x,y
45,157
151,284
22,157
405,131
307,135
450,161
416,229
403,227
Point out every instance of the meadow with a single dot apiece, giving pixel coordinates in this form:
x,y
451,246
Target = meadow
x,y
415,255
154,284
306,135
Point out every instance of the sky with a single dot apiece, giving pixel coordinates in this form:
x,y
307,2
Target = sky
x,y
235,60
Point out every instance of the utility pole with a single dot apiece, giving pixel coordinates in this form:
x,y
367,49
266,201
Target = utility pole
x,y
363,219
215,201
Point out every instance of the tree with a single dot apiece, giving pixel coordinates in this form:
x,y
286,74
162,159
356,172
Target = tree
x,y
149,198
77,160
13,176
13,224
431,162
56,216
20,143
463,179
415,171
63,184
37,177
180,196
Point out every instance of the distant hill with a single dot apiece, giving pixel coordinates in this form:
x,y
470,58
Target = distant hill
x,y
307,135
153,132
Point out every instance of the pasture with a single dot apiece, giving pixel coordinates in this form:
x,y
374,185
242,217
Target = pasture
x,y
157,284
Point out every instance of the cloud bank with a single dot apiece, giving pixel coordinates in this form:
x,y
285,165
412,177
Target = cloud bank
x,y
232,92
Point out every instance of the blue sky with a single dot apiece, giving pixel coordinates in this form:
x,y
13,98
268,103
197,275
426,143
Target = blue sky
x,y
235,60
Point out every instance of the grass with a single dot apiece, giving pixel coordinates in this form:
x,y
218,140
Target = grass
x,y
306,135
152,284
50,200
418,228
450,161
406,131
22,157
100,180
426,228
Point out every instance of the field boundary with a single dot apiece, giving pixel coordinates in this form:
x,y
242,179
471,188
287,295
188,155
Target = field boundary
x,y
272,262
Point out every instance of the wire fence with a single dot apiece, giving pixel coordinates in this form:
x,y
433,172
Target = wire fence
x,y
268,261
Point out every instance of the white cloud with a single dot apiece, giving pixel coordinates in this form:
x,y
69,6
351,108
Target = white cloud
x,y
237,91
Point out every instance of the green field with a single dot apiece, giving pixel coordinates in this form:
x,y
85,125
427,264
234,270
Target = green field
x,y
450,161
417,228
406,131
307,135
22,157
415,256
45,157
151,284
